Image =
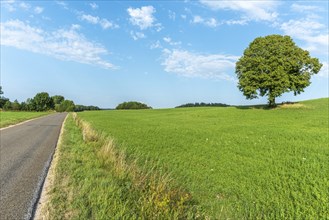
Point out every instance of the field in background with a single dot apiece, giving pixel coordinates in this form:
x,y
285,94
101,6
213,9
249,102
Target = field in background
x,y
235,162
11,118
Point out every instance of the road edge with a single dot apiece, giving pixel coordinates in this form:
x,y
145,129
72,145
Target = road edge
x,y
41,211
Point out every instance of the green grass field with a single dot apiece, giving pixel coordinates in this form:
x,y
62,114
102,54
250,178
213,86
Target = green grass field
x,y
235,163
10,118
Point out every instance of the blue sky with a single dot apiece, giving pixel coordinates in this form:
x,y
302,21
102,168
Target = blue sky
x,y
163,53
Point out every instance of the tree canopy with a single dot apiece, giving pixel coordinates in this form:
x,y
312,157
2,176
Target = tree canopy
x,y
58,99
273,65
43,101
133,105
65,106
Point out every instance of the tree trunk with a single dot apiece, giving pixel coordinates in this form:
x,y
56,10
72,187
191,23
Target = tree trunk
x,y
271,101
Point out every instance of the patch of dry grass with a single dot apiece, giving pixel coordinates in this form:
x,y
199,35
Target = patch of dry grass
x,y
293,106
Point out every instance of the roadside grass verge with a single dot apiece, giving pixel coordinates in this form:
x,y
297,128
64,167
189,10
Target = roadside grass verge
x,y
94,179
237,163
11,118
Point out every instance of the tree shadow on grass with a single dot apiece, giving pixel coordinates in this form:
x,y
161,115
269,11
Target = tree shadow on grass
x,y
265,107
246,107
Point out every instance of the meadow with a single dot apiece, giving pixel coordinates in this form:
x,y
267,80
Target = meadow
x,y
10,118
230,162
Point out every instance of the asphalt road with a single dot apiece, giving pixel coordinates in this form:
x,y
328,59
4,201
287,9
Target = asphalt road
x,y
25,153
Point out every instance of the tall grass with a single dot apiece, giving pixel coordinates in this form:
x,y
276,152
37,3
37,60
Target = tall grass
x,y
96,180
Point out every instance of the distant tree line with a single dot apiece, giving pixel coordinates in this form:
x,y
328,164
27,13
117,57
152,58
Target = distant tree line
x,y
80,108
43,102
202,104
133,105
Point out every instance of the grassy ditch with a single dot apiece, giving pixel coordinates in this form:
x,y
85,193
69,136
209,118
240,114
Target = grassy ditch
x,y
96,180
11,118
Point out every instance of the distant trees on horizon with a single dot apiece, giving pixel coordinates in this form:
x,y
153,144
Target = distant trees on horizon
x,y
132,105
43,102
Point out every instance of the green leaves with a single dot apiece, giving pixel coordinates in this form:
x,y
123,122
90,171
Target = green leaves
x,y
273,65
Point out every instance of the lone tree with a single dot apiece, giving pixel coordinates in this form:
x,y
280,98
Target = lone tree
x,y
273,65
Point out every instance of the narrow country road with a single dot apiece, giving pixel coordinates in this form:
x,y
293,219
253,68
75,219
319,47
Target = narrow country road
x,y
25,153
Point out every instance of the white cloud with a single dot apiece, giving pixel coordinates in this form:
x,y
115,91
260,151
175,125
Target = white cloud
x,y
251,10
156,45
75,27
93,5
304,8
16,5
104,23
9,5
142,17
90,19
167,39
172,15
171,42
63,4
38,10
314,34
236,22
24,5
210,22
64,44
188,64
137,35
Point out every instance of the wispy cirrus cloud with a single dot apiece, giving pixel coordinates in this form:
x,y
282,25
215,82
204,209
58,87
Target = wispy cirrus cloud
x,y
24,5
62,4
93,5
104,23
210,22
213,22
137,35
8,5
38,10
208,66
171,42
12,5
63,44
172,15
250,10
303,8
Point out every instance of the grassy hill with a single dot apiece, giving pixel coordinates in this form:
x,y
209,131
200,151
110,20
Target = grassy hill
x,y
236,162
